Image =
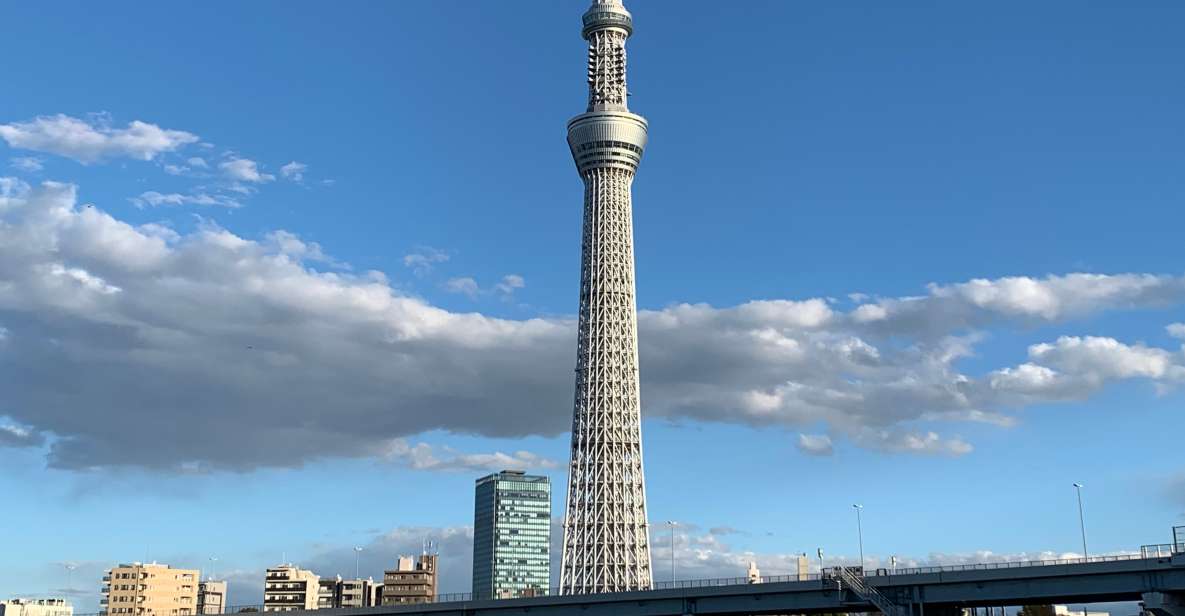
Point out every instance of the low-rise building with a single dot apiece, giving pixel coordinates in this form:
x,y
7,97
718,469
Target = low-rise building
x,y
287,588
336,593
211,597
357,593
412,581
150,589
327,593
36,607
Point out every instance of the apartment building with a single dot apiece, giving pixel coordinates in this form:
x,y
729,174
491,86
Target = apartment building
x,y
412,581
287,588
211,597
336,593
36,607
357,593
150,589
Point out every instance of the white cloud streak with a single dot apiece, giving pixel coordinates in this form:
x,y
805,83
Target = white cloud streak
x,y
153,198
27,164
88,142
294,171
469,287
423,260
815,444
424,457
244,170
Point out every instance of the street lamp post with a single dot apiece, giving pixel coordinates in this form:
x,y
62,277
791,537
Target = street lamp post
x,y
860,531
1082,526
357,560
672,524
1082,520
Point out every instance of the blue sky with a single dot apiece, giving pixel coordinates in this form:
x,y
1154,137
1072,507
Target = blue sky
x,y
225,334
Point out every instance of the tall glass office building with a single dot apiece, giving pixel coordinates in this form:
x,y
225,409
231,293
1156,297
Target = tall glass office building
x,y
512,536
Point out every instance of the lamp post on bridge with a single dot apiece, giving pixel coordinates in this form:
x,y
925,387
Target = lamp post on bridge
x,y
1082,521
860,530
672,524
1082,525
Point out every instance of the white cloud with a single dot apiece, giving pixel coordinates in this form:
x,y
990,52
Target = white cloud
x,y
1176,330
464,286
88,143
244,170
197,162
979,303
1097,359
28,164
927,443
424,259
423,457
154,324
815,444
469,287
510,283
176,169
294,171
156,199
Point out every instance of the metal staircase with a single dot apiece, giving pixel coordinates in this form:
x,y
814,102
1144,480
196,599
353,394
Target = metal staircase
x,y
857,584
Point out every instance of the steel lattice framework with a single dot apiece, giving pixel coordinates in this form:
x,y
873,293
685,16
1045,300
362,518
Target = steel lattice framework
x,y
606,535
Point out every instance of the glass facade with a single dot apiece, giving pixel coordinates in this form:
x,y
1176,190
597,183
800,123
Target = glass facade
x,y
512,536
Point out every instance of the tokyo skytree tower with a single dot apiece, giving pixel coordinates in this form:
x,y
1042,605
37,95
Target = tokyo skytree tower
x,y
606,536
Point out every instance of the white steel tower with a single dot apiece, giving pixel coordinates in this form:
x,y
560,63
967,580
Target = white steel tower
x,y
606,536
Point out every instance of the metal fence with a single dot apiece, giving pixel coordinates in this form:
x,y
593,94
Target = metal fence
x,y
1149,551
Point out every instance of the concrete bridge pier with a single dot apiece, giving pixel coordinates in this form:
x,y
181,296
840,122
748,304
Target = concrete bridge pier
x,y
1165,603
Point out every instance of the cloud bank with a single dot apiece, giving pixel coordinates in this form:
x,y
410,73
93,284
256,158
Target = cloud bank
x,y
223,352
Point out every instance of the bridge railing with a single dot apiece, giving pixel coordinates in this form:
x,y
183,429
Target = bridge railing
x,y
1163,550
1015,564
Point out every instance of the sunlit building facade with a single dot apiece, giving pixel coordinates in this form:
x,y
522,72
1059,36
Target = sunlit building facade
x,y
512,536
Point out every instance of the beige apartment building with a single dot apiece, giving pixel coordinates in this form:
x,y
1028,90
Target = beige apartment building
x,y
36,607
412,581
211,597
150,590
287,588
